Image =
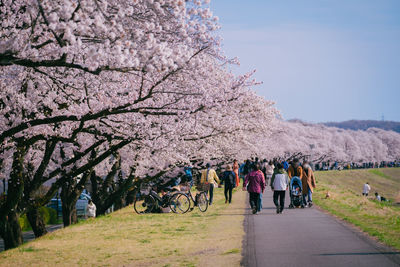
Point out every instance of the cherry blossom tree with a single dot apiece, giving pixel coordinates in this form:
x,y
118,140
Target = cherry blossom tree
x,y
85,80
324,143
69,65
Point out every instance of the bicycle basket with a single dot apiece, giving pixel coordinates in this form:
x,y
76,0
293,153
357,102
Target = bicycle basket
x,y
203,187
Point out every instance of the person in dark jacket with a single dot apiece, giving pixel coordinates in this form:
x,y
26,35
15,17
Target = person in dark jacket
x,y
247,167
229,181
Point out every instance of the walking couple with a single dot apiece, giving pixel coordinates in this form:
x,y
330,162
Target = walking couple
x,y
255,182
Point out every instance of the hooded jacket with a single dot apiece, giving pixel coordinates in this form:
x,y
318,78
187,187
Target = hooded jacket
x,y
279,180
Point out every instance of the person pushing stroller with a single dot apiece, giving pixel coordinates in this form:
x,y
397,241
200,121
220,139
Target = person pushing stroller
x,y
296,192
295,170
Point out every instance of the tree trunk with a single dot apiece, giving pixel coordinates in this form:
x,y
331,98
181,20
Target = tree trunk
x,y
36,221
69,213
10,230
119,203
130,197
69,197
68,202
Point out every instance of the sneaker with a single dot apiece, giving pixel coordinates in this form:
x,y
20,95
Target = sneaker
x,y
310,204
254,211
277,210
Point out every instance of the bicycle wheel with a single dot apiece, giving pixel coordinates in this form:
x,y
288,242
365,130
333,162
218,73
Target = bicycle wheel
x,y
144,204
202,201
179,203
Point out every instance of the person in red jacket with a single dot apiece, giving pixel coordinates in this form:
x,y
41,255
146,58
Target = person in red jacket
x,y
255,183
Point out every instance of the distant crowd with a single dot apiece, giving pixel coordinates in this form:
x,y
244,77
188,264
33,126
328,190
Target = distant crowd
x,y
327,165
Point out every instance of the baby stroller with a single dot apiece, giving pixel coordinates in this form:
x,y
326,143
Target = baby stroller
x,y
295,191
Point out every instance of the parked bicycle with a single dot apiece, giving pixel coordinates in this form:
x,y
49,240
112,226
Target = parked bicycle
x,y
147,201
200,200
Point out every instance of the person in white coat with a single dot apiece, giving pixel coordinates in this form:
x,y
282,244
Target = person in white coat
x,y
269,171
279,184
91,209
366,189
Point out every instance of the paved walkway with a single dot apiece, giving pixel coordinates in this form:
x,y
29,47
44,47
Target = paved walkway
x,y
28,236
308,237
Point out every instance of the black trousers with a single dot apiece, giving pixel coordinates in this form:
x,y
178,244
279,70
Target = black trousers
x,y
279,195
228,192
211,193
254,203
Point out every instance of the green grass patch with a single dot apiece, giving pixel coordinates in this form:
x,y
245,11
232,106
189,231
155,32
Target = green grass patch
x,y
378,219
379,173
49,216
124,238
232,251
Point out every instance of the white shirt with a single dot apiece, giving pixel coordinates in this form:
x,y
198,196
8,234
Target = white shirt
x,y
269,169
91,210
281,182
366,189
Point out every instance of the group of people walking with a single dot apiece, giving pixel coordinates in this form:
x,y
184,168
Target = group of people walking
x,y
260,176
257,175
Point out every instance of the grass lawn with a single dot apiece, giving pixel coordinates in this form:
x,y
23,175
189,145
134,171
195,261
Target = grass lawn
x,y
378,219
213,238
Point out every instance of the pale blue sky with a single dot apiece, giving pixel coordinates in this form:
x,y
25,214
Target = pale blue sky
x,y
320,60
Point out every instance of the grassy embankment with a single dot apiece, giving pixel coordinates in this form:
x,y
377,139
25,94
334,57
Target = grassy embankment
x,y
378,219
123,238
